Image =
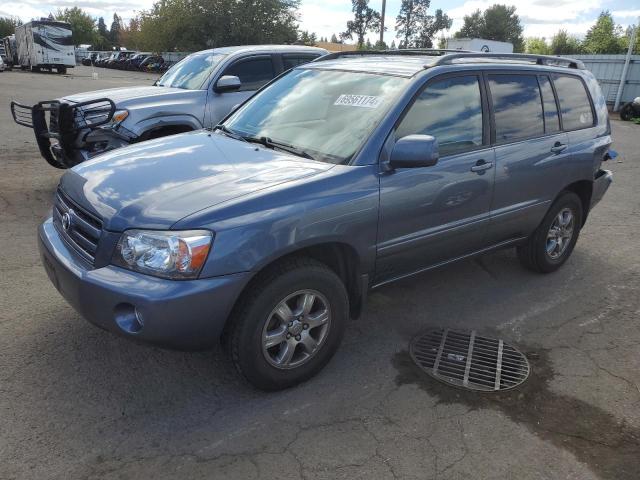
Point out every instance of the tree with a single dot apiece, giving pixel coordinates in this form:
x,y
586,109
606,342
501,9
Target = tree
x,y
442,42
627,38
498,22
416,27
8,25
564,44
605,36
82,25
380,45
334,39
116,29
306,38
365,20
537,45
102,28
393,45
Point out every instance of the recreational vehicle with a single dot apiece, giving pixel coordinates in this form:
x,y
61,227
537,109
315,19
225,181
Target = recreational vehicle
x,y
45,44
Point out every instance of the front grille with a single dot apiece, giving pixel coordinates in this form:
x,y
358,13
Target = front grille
x,y
53,121
81,229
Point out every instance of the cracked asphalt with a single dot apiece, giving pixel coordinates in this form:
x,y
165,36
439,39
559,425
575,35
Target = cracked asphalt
x,y
77,402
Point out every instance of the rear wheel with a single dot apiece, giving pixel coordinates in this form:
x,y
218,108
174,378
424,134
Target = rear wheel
x,y
62,70
556,236
289,324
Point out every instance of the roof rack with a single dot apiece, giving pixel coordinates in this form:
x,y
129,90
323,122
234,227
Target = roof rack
x,y
518,57
448,56
430,52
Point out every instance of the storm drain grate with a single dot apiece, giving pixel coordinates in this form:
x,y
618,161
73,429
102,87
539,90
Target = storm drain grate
x,y
468,360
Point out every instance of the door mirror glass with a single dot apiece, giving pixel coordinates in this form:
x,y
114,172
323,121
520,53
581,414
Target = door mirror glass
x,y
414,151
227,83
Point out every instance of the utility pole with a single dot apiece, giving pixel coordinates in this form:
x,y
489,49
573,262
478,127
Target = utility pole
x,y
627,61
384,6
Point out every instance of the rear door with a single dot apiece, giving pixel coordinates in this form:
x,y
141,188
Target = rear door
x,y
253,72
532,152
432,214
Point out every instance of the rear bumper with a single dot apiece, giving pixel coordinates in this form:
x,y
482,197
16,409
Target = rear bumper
x,y
177,314
601,183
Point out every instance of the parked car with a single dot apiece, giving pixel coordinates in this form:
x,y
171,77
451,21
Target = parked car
x,y
345,174
152,59
630,110
134,61
2,64
195,93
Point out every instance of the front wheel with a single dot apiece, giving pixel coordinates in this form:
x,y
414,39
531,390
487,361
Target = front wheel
x,y
289,324
553,241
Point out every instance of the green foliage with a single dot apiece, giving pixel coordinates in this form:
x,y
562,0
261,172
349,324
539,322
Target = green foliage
x,y
365,19
605,36
498,22
309,39
537,45
190,25
334,39
564,44
116,30
442,42
83,26
8,25
416,27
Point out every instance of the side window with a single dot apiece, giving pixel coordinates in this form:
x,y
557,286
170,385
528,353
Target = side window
x,y
517,107
551,120
290,61
451,111
575,107
253,72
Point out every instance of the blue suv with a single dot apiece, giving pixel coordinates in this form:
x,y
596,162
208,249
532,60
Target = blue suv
x,y
339,176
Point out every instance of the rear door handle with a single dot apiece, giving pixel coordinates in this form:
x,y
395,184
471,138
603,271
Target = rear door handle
x,y
481,166
559,147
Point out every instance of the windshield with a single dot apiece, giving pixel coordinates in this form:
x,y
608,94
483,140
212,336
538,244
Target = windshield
x,y
325,114
191,72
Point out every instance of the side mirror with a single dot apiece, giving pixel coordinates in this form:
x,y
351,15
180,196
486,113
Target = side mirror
x,y
227,83
414,151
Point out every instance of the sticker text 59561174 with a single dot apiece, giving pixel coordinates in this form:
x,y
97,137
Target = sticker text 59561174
x,y
363,101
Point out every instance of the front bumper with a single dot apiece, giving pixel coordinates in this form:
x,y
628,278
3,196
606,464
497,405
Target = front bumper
x,y
186,314
601,183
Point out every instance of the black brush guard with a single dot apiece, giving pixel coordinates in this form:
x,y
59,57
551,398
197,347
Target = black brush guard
x,y
64,122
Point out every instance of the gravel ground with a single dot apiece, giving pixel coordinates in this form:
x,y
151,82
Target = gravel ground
x,y
78,402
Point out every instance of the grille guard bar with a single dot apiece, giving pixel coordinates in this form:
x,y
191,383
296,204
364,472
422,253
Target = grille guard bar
x,y
70,119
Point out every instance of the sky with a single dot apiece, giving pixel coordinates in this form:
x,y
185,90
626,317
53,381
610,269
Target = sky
x,y
541,18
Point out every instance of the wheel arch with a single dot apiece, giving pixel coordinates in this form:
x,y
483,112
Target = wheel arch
x,y
584,190
340,257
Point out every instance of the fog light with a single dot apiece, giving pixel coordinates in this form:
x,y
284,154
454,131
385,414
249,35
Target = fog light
x,y
128,318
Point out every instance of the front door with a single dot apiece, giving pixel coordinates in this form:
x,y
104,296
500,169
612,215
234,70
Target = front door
x,y
432,214
253,72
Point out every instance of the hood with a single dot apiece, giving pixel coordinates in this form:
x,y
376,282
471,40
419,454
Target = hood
x,y
154,184
125,96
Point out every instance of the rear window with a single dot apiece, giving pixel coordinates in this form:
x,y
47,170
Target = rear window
x,y
575,107
290,61
517,107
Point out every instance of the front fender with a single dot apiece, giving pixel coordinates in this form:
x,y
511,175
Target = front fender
x,y
153,123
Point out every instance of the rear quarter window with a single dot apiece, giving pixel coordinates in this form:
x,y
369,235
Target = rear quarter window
x,y
575,106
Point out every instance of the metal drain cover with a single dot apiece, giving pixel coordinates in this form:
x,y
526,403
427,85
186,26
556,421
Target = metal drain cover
x,y
468,360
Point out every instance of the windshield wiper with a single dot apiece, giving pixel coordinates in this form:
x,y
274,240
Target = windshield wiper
x,y
267,142
229,133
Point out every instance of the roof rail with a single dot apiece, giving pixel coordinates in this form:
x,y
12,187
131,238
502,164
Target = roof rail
x,y
448,59
431,52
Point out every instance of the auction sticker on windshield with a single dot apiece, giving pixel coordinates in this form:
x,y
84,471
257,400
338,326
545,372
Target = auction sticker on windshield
x,y
364,101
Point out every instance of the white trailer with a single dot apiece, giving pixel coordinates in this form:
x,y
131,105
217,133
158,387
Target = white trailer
x,y
479,45
45,44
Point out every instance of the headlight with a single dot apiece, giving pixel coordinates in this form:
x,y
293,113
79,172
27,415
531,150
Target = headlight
x,y
91,117
169,254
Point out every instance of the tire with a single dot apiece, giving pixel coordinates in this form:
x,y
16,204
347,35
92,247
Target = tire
x,y
255,316
626,112
534,254
62,70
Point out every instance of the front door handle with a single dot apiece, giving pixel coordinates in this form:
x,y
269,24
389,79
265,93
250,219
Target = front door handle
x,y
558,147
481,166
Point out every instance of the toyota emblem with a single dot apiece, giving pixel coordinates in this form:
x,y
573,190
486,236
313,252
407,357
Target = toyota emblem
x,y
66,220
